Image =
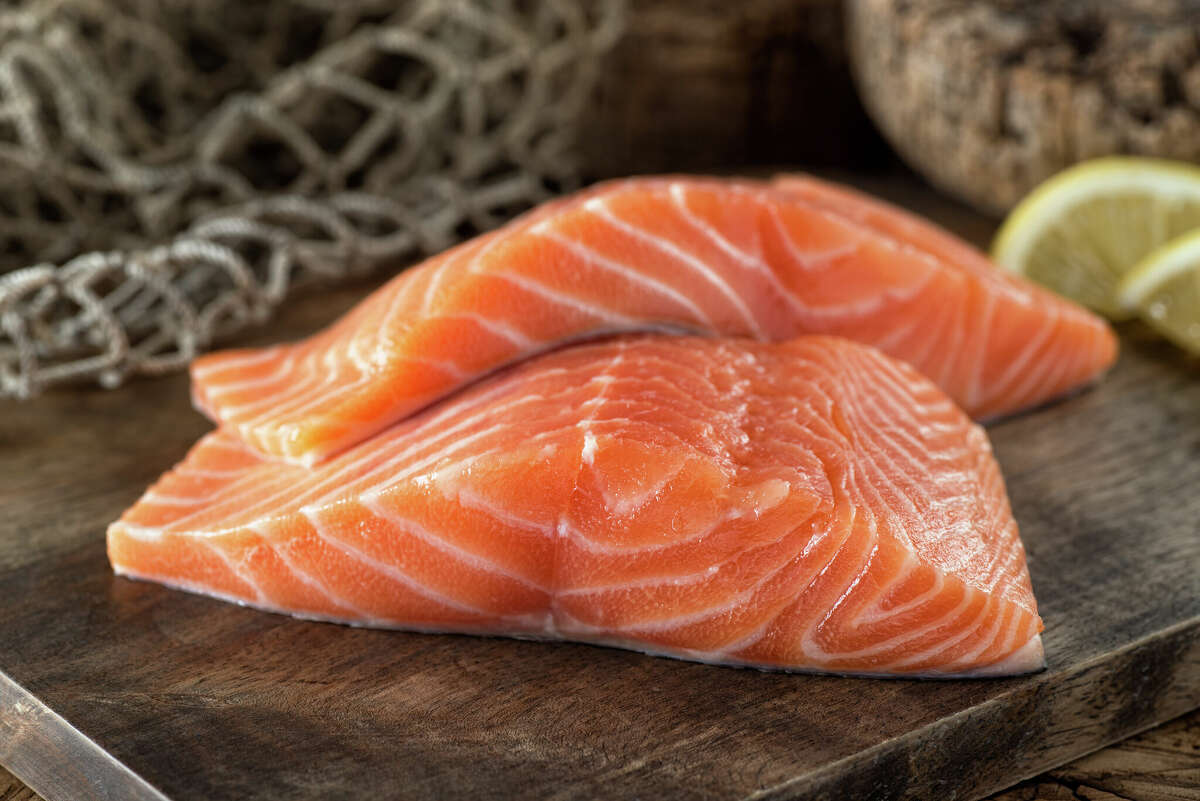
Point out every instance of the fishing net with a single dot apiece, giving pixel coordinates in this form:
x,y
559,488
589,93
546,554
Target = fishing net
x,y
172,169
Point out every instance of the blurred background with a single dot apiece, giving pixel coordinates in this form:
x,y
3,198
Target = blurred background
x,y
173,168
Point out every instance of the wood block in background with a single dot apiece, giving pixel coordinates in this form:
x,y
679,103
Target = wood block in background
x,y
702,84
987,99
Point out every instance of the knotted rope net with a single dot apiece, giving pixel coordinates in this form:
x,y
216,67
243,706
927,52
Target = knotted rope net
x,y
173,168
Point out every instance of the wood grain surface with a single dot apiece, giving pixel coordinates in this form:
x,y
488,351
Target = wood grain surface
x,y
13,789
1162,764
202,699
693,84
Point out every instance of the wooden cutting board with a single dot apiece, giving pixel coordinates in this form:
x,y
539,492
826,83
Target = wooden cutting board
x,y
112,688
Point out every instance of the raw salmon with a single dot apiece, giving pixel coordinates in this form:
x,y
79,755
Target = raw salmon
x,y
903,226
809,505
706,256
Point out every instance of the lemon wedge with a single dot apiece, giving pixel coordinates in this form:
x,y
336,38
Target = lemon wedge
x,y
1164,288
1081,231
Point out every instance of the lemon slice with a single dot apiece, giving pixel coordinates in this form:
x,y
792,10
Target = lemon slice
x,y
1165,289
1082,230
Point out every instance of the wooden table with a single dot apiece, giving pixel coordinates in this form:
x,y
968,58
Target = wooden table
x,y
1162,764
1158,764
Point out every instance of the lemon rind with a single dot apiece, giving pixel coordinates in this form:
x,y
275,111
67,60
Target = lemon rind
x,y
1157,268
1103,176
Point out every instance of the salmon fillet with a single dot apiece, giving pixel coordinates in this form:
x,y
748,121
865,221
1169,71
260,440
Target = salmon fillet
x,y
811,505
705,256
903,226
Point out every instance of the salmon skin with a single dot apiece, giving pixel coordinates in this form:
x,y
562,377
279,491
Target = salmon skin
x,y
709,256
812,505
